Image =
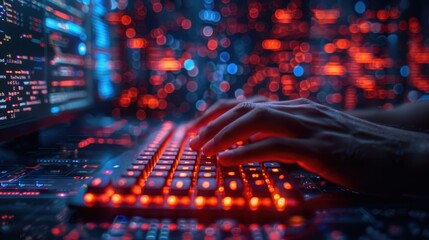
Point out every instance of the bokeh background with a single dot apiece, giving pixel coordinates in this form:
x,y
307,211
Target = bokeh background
x,y
173,59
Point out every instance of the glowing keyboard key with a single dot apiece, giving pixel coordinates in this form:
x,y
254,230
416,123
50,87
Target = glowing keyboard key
x,y
233,187
154,186
180,186
206,186
207,174
183,174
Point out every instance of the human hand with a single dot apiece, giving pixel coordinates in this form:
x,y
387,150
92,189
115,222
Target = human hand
x,y
336,145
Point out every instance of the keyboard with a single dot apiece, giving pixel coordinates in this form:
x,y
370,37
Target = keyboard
x,y
164,177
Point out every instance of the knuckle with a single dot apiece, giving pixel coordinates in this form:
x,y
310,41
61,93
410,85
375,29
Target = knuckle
x,y
261,113
303,101
244,107
326,136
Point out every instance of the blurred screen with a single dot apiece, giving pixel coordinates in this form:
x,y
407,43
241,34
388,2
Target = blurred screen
x,y
178,57
48,53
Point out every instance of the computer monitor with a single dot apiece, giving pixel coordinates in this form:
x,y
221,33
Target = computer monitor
x,y
49,53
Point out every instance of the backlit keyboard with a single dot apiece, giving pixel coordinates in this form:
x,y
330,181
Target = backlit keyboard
x,y
166,178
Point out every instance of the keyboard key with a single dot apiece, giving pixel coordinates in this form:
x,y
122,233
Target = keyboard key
x,y
187,162
284,188
230,174
252,164
259,188
252,169
124,185
207,174
154,186
140,162
136,167
254,176
187,157
190,153
159,173
162,167
271,164
276,175
132,173
183,174
169,153
165,162
180,186
145,157
208,163
99,184
206,186
233,187
167,157
185,168
207,168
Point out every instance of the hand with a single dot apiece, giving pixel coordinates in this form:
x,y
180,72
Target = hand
x,y
339,147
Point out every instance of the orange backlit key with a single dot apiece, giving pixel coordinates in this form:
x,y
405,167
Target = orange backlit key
x,y
132,173
180,186
165,162
207,168
158,173
140,162
99,184
206,186
233,187
136,167
124,185
183,174
154,186
185,168
187,162
259,188
162,167
207,174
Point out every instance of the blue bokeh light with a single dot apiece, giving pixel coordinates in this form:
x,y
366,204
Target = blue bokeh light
x,y
404,71
224,56
232,68
298,71
360,7
189,64
82,49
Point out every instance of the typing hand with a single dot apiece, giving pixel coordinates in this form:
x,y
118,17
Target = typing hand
x,y
336,145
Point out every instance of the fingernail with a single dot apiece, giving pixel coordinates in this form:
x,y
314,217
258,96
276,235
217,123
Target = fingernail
x,y
194,142
208,148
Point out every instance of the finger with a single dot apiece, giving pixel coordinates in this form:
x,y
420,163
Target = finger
x,y
213,112
287,150
219,108
263,135
219,123
261,119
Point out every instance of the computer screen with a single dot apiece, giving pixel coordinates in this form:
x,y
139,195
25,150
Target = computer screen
x,y
50,53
